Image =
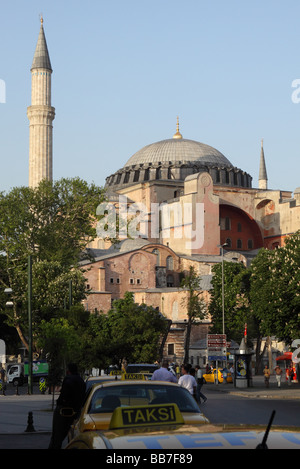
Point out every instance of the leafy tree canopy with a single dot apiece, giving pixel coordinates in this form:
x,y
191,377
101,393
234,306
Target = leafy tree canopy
x,y
52,223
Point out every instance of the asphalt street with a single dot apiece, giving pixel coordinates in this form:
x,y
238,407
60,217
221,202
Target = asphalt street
x,y
15,409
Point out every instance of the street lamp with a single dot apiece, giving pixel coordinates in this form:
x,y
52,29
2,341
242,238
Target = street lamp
x,y
222,254
223,308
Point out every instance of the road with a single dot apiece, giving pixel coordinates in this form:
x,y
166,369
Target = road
x,y
225,405
227,408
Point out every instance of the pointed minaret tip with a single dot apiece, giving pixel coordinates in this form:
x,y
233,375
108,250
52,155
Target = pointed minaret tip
x,y
263,178
41,57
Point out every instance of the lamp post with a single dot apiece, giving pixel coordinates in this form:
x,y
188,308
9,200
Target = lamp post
x,y
29,325
223,300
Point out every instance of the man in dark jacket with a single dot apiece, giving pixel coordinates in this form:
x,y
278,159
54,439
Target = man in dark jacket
x,y
68,406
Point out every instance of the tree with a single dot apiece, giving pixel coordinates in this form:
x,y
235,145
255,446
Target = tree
x,y
134,331
195,305
274,295
236,300
52,223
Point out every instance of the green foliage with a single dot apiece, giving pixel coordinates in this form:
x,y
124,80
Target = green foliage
x,y
98,340
236,300
275,287
266,296
134,331
52,223
195,305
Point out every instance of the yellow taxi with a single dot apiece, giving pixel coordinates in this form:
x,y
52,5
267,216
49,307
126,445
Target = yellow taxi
x,y
211,377
104,398
91,380
162,427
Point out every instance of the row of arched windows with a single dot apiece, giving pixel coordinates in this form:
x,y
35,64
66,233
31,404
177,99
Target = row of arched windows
x,y
169,260
239,244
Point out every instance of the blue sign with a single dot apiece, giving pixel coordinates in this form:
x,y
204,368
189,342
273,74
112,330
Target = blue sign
x,y
217,357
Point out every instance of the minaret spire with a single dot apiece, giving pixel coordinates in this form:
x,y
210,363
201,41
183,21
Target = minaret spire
x,y
263,178
40,114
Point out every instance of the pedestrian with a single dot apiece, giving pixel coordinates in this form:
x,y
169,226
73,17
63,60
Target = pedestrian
x,y
200,381
290,374
231,369
68,406
187,381
163,374
278,373
2,380
267,374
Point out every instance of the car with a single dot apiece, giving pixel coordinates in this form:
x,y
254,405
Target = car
x,y
103,398
161,427
91,380
210,377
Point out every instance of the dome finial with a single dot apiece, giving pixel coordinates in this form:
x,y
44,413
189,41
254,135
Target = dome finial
x,y
178,134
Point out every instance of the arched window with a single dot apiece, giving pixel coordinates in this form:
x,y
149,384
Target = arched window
x,y
227,223
170,263
250,244
146,175
170,281
239,244
136,175
228,242
156,251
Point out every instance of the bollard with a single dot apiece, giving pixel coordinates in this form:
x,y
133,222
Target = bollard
x,y
17,390
30,427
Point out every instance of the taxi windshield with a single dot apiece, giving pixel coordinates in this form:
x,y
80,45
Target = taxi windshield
x,y
106,399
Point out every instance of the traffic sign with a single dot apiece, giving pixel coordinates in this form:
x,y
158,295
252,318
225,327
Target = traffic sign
x,y
216,347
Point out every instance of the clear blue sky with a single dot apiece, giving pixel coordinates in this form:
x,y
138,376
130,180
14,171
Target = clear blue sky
x,y
123,71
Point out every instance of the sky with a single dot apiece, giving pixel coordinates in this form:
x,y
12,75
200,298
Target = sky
x,y
124,70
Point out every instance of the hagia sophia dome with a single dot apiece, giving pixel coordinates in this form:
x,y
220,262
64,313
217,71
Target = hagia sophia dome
x,y
174,159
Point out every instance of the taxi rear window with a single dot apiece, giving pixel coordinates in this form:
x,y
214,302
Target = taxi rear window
x,y
108,398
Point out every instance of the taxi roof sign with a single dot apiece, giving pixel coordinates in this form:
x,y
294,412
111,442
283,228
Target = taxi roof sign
x,y
146,415
115,372
133,376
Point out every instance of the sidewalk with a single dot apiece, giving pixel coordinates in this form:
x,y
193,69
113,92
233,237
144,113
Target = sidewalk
x,y
259,390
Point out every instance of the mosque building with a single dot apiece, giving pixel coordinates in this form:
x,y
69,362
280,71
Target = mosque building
x,y
198,208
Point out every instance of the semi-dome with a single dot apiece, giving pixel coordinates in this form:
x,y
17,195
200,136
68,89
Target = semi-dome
x,y
173,160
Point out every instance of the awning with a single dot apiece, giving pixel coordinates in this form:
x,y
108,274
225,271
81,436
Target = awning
x,y
285,356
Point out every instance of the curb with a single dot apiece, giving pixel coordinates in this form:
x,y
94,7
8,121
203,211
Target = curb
x,y
257,392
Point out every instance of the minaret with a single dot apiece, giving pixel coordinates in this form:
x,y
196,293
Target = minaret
x,y
262,178
40,115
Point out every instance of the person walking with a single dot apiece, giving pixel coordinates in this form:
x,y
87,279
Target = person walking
x,y
267,375
68,406
290,374
278,373
163,374
200,381
187,381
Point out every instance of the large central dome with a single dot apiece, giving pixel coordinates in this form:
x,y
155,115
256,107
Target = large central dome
x,y
174,159
178,150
